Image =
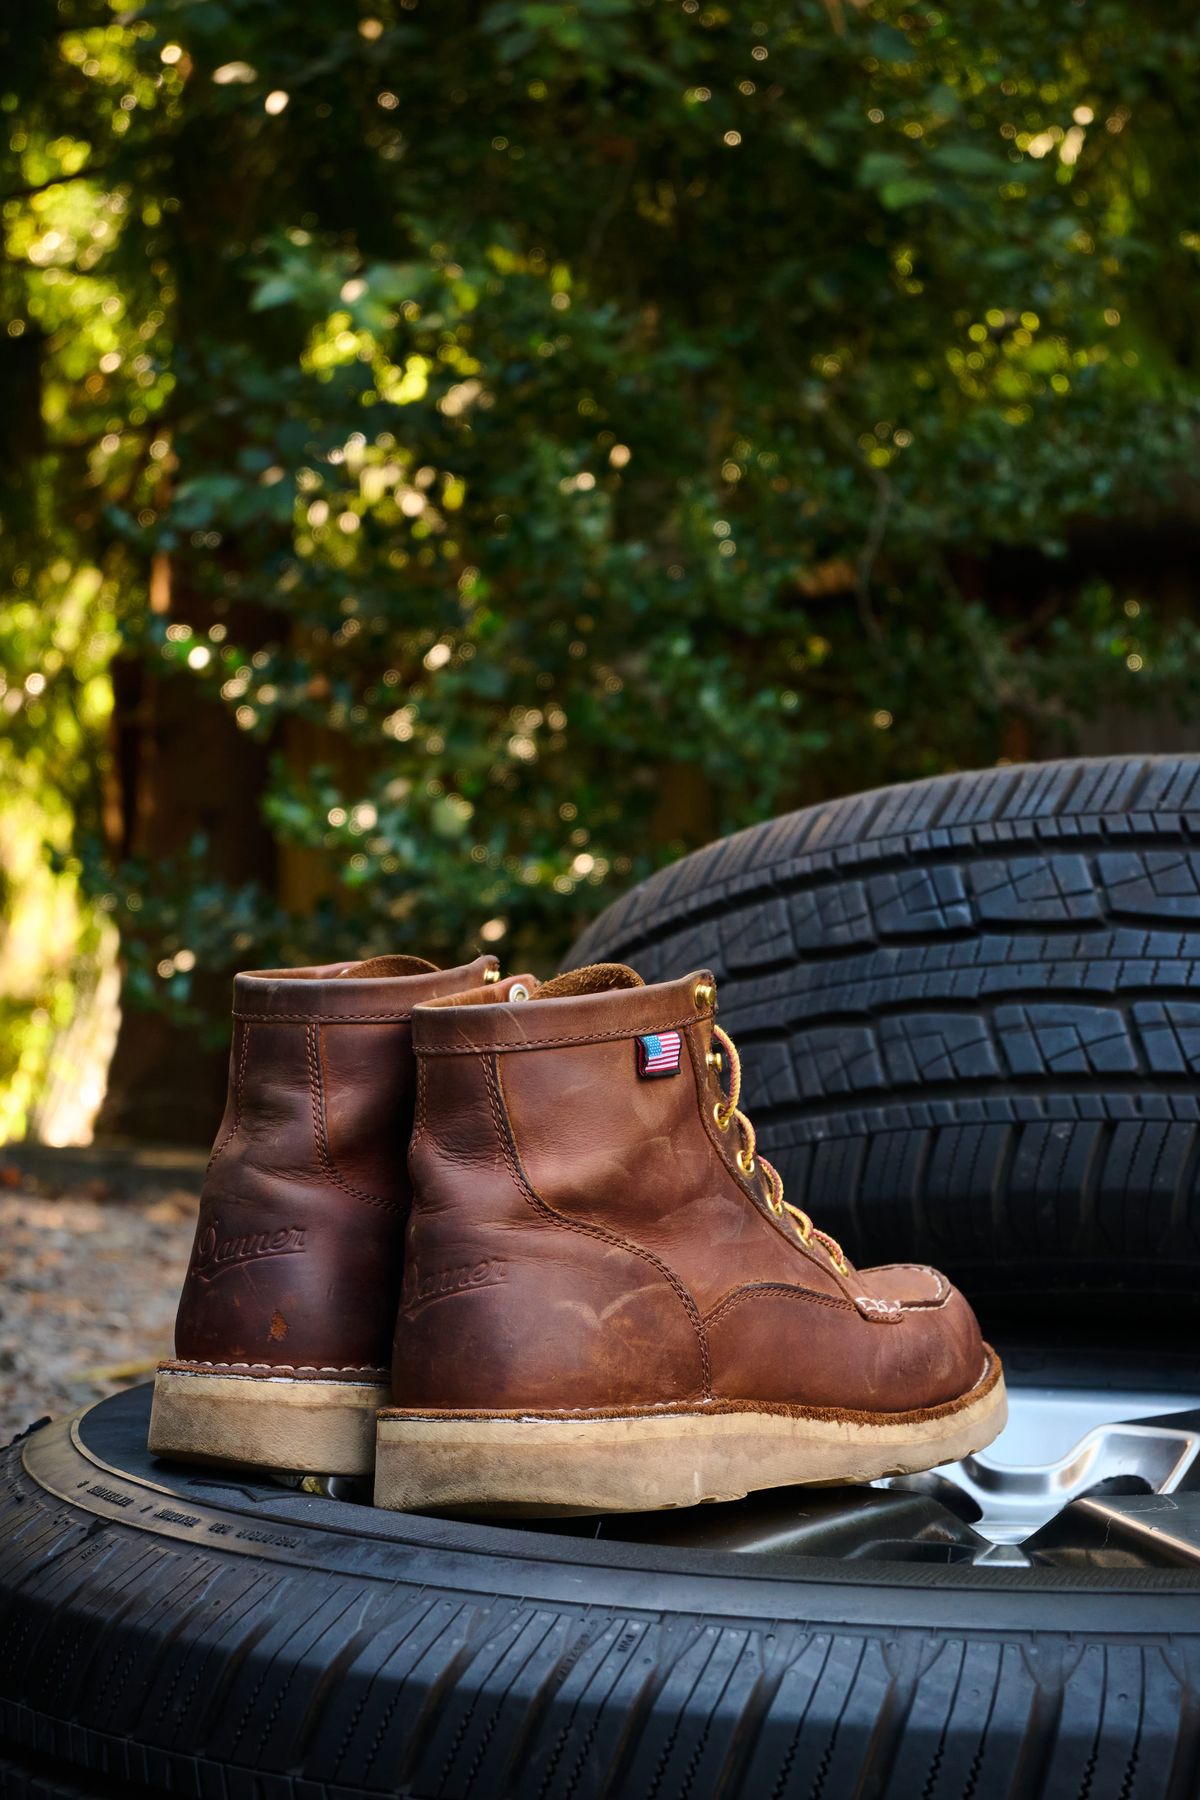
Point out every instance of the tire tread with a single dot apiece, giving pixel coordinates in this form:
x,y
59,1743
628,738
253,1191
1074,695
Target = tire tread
x,y
991,981
235,1680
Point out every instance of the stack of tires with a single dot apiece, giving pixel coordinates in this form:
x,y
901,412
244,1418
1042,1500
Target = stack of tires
x,y
971,1031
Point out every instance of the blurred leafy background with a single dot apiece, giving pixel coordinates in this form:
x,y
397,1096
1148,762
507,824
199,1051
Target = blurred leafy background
x,y
458,457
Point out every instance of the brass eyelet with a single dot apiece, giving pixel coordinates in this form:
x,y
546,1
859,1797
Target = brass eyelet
x,y
776,1207
721,1118
746,1163
705,994
492,974
518,991
715,1060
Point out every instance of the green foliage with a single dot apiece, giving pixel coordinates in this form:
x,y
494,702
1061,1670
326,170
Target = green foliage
x,y
573,431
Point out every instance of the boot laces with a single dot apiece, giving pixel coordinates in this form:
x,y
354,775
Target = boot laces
x,y
728,1113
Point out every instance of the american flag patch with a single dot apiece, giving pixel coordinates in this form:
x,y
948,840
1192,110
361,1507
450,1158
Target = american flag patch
x,y
658,1054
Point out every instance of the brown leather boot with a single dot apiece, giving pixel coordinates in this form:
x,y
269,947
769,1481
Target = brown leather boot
x,y
284,1328
608,1305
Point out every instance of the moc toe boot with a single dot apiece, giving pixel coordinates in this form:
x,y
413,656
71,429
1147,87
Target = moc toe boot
x,y
609,1305
283,1334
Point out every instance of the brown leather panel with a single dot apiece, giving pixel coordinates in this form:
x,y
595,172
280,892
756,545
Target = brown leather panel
x,y
286,1267
299,1240
445,1030
532,1326
455,1141
290,996
599,1142
366,1086
792,1346
244,1303
504,1302
275,1105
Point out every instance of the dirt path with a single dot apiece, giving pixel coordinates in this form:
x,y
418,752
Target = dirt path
x,y
88,1290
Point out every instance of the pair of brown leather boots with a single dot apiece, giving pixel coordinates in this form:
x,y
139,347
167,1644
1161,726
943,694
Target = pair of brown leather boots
x,y
512,1246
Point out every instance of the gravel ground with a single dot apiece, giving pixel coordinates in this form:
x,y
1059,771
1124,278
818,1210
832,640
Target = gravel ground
x,y
88,1288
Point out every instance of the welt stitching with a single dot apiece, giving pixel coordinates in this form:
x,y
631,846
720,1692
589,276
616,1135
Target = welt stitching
x,y
799,1293
308,1018
782,1288
943,1286
517,1171
328,1167
181,1364
420,1107
716,1408
239,1076
548,1043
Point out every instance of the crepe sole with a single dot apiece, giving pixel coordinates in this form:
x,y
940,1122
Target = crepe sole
x,y
642,1460
296,1424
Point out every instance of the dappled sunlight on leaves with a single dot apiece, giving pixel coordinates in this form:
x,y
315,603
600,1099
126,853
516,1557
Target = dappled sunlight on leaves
x,y
562,434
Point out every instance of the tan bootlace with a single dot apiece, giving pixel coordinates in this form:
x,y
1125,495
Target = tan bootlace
x,y
724,1116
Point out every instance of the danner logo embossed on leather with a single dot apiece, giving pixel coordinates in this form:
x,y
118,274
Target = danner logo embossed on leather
x,y
215,1255
419,1288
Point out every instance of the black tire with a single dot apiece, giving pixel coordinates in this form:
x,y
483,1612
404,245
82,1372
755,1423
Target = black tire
x,y
168,1633
970,1015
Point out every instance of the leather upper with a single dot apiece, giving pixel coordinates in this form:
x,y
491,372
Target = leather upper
x,y
583,1237
298,1247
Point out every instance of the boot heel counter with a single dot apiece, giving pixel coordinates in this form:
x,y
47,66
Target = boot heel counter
x,y
237,1299
287,1269
505,1302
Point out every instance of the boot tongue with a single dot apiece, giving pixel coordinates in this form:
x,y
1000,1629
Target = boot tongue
x,y
380,966
596,978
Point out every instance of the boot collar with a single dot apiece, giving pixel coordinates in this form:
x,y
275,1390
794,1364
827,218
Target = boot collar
x,y
336,992
440,1028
